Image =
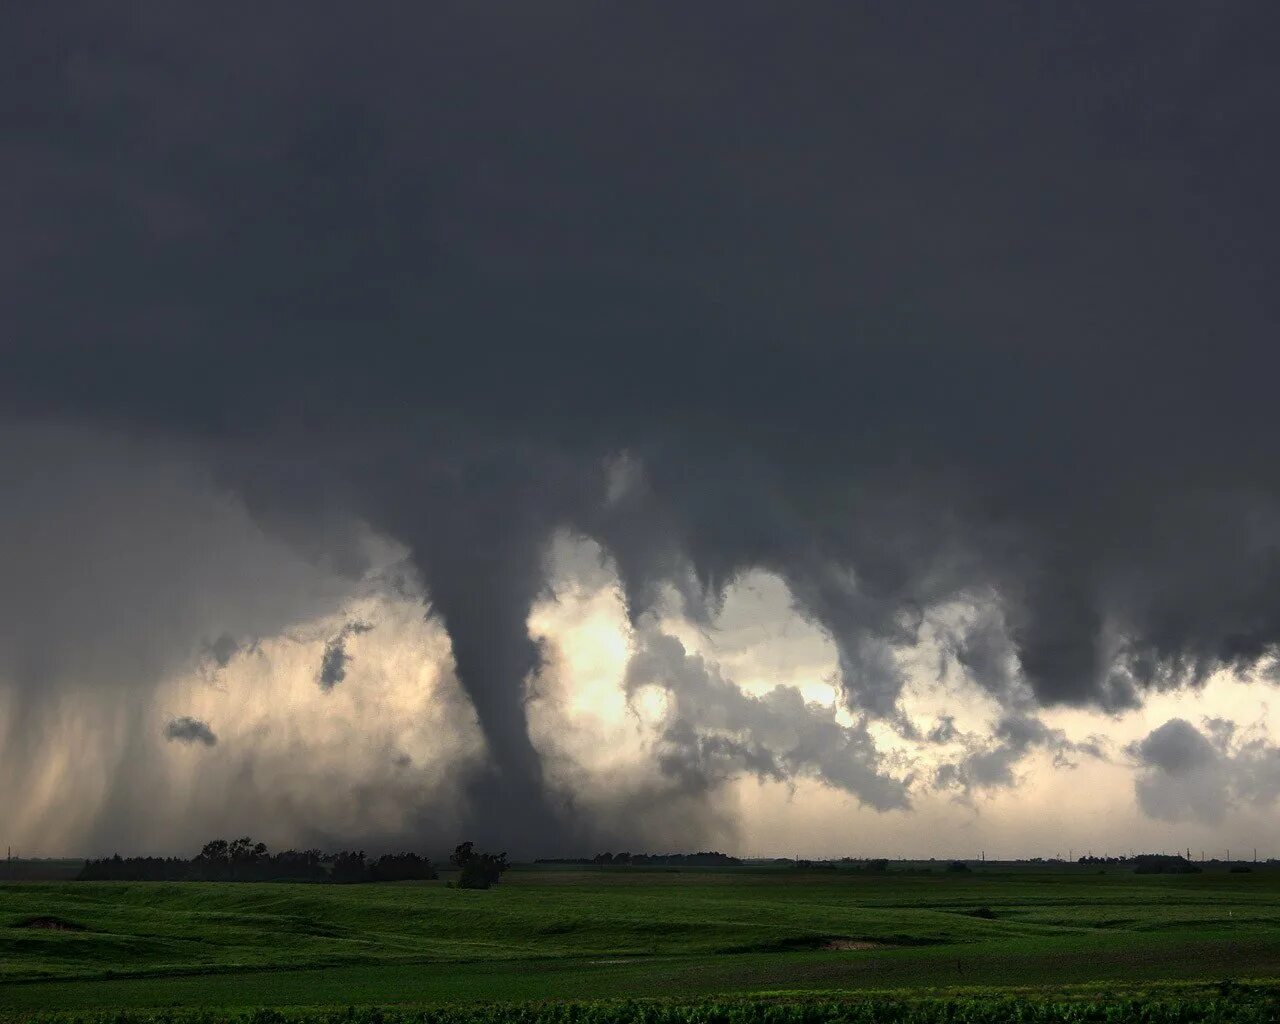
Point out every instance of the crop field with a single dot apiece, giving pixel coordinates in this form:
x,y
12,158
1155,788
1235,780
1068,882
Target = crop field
x,y
762,940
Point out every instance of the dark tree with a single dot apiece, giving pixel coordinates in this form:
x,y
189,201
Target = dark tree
x,y
399,867
478,870
243,860
349,866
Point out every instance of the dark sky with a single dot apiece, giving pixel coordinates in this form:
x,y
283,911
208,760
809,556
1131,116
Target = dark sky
x,y
905,303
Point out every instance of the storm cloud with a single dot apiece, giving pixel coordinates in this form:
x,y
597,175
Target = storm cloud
x,y
713,730
990,762
190,730
1185,773
912,309
333,663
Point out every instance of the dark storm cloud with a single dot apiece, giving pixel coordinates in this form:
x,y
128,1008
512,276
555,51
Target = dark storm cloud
x,y
121,557
984,651
223,649
334,660
990,763
1186,773
190,730
713,730
909,304
1176,748
333,664
120,554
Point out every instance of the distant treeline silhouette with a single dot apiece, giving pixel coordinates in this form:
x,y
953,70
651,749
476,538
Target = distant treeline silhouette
x,y
243,860
1149,863
709,858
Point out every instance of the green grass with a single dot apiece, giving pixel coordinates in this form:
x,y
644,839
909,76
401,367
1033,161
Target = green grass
x,y
1237,1005
590,935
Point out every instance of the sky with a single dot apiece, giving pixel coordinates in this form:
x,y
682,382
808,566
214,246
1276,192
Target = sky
x,y
844,429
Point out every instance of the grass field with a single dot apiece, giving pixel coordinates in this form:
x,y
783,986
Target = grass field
x,y
591,935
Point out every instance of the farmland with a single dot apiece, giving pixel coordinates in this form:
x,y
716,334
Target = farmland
x,y
95,948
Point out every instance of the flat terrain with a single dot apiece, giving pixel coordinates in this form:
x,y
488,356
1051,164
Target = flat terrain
x,y
593,934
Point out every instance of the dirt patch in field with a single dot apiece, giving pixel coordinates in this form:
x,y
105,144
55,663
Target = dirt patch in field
x,y
50,924
827,943
846,944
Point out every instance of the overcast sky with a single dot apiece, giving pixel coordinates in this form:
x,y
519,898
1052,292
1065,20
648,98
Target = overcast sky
x,y
835,428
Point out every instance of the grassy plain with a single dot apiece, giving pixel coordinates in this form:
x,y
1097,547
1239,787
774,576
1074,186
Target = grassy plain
x,y
616,933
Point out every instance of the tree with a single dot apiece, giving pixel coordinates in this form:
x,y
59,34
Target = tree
x,y
249,860
349,866
478,870
398,867
214,852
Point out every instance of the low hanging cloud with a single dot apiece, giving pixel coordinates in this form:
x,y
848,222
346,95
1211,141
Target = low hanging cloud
x,y
989,763
333,663
976,637
190,730
1186,773
222,649
713,731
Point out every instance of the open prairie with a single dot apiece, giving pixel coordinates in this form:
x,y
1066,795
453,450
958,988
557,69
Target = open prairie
x,y
609,934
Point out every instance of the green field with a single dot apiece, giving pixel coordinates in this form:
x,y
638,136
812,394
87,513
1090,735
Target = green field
x,y
591,935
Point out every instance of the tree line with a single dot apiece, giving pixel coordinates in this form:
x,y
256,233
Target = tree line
x,y
709,858
243,860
